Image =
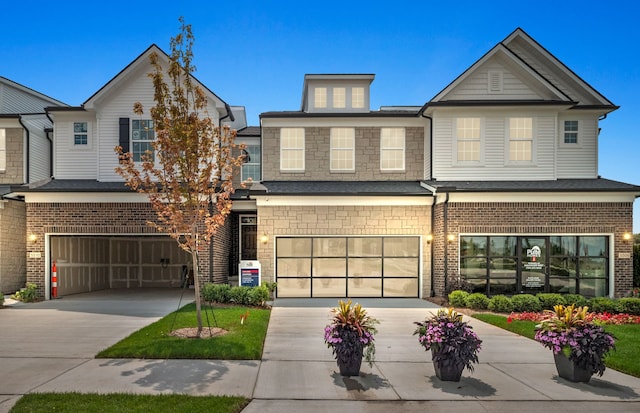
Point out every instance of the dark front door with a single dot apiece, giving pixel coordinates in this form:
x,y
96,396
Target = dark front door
x,y
248,239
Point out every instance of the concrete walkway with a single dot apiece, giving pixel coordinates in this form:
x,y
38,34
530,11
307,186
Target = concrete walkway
x,y
297,372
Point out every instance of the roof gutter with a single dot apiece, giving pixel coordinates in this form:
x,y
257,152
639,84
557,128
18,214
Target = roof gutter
x,y
430,143
27,150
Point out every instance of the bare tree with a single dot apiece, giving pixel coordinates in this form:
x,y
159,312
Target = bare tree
x,y
193,161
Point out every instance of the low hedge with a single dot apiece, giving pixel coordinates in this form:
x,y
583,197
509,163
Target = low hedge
x,y
458,298
525,302
500,304
549,300
477,301
240,295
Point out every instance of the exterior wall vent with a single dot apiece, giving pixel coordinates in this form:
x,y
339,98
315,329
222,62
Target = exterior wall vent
x,y
495,81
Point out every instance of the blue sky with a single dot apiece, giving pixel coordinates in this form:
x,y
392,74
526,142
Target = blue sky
x,y
255,54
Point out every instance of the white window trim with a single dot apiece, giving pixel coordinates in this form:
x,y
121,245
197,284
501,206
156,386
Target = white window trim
x,y
454,127
353,101
561,133
353,150
507,135
131,140
344,97
404,152
3,149
303,149
80,147
253,161
316,95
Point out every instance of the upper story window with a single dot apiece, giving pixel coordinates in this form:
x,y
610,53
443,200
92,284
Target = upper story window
x,y
3,150
142,135
468,139
320,97
292,149
339,97
342,149
80,134
357,97
570,131
520,139
392,145
251,168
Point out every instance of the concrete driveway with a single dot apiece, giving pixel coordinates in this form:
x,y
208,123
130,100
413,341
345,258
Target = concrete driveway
x,y
41,341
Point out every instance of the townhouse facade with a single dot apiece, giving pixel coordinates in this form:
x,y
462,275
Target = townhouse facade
x,y
491,186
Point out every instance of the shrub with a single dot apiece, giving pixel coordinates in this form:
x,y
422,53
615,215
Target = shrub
x,y
477,301
258,295
550,300
216,293
603,305
500,304
458,298
576,299
240,295
28,294
525,302
629,305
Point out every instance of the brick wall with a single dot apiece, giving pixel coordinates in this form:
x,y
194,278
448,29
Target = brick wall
x,y
12,246
367,156
105,219
342,220
14,173
531,218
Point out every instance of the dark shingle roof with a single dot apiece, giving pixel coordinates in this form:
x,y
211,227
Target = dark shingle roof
x,y
345,188
371,114
559,185
249,131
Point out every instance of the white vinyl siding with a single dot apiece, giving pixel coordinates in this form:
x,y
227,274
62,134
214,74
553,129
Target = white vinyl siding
x,y
73,161
342,149
579,160
392,148
292,153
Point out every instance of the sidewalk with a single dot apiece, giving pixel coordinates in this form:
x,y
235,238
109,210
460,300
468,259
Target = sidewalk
x,y
298,372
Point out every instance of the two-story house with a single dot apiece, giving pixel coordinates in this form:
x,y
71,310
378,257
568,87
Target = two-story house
x,y
25,151
492,186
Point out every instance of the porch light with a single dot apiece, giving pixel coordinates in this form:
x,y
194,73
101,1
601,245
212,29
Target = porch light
x,y
33,237
429,238
627,236
264,238
451,237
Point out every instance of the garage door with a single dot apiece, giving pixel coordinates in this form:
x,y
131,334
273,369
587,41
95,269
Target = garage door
x,y
87,263
348,266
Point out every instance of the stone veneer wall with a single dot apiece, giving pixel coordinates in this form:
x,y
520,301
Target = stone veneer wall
x,y
13,246
105,219
367,156
14,173
342,220
531,218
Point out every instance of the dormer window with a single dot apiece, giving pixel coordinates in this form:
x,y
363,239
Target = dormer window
x,y
357,97
339,97
320,97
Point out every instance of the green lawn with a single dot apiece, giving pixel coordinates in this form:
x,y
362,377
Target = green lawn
x,y
626,357
243,341
117,403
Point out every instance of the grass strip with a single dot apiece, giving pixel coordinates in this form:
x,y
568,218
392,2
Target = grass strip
x,y
244,340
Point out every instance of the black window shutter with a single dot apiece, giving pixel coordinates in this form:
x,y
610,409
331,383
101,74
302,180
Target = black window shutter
x,y
124,134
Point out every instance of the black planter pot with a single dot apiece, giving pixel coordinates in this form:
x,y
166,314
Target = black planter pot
x,y
350,366
446,371
568,370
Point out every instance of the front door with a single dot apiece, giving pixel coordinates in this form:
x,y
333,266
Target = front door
x,y
248,238
533,264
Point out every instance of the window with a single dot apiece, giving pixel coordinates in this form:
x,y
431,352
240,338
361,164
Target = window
x,y
520,139
339,100
392,149
142,135
468,138
3,150
292,149
570,131
342,149
251,169
80,133
320,97
357,97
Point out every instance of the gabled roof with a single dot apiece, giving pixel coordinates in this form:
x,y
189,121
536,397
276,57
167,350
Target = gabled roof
x,y
526,63
31,92
143,59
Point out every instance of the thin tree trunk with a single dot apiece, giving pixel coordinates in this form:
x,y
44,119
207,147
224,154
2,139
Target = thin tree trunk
x,y
196,284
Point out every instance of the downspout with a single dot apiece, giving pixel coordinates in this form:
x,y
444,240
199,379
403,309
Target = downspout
x,y
46,112
26,151
446,241
230,116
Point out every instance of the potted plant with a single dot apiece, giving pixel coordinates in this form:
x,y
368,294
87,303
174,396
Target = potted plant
x,y
578,345
453,343
350,336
